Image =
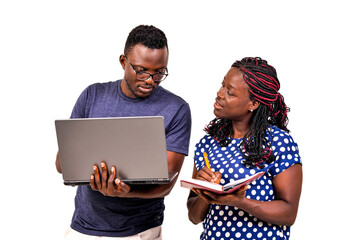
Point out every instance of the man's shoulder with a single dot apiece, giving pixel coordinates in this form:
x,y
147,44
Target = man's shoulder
x,y
101,88
170,96
104,85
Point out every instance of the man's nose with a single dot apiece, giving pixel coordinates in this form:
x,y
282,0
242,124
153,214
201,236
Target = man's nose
x,y
150,80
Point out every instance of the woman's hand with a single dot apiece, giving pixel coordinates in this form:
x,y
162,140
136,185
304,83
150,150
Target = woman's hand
x,y
198,203
108,185
232,199
206,174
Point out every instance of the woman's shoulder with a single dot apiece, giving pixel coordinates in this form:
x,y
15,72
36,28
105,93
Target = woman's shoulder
x,y
206,139
285,150
279,134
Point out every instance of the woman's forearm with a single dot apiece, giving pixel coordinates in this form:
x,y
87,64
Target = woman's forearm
x,y
281,211
276,212
197,208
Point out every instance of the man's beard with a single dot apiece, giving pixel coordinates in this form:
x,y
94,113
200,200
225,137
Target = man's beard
x,y
131,90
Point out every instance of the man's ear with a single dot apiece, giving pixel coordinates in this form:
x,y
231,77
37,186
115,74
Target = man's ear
x,y
122,60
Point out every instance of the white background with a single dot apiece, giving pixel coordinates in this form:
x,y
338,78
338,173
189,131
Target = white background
x,y
51,50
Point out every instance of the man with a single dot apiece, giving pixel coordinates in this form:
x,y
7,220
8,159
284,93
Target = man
x,y
109,207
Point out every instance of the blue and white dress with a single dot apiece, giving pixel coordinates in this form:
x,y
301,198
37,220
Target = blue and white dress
x,y
227,222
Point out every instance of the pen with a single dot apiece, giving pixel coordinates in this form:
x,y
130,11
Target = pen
x,y
206,160
208,165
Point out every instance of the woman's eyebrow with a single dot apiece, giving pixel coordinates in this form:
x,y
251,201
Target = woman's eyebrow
x,y
231,86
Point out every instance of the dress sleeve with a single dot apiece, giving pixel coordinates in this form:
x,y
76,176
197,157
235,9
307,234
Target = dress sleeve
x,y
201,147
286,153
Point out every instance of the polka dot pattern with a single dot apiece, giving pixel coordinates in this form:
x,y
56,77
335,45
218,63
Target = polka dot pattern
x,y
227,222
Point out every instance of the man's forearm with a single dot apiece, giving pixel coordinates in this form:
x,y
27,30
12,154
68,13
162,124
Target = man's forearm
x,y
150,191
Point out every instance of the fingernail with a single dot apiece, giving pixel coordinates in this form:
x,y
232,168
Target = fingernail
x,y
94,167
117,181
113,169
102,164
92,177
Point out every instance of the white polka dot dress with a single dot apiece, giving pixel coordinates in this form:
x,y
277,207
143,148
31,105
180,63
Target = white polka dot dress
x,y
227,222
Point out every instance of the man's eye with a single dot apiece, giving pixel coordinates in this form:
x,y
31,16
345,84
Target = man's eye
x,y
162,71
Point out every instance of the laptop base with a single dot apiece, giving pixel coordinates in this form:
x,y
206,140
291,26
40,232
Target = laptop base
x,y
131,181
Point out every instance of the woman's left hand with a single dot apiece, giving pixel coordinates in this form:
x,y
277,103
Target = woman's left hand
x,y
231,199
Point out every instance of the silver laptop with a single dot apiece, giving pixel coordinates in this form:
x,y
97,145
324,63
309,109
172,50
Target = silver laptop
x,y
136,146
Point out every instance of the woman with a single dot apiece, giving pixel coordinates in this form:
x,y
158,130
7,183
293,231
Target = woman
x,y
248,135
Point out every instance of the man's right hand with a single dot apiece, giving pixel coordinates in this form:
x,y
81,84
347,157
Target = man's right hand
x,y
57,163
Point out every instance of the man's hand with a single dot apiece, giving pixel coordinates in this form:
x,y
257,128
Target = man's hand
x,y
108,185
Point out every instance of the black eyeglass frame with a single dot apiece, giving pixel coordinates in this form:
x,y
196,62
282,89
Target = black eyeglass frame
x,y
149,74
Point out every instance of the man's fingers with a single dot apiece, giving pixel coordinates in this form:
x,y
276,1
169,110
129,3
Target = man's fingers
x,y
104,174
107,183
121,186
112,176
97,178
92,182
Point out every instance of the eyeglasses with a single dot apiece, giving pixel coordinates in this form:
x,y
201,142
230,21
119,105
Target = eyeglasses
x,y
143,76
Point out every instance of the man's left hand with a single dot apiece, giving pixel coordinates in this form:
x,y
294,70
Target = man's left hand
x,y
108,185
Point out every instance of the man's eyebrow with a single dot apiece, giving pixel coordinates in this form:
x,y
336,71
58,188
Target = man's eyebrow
x,y
144,68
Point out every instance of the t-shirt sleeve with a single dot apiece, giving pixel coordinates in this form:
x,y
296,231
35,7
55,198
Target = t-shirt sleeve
x,y
178,135
286,153
79,109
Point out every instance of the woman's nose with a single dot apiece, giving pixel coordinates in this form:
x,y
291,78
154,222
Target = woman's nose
x,y
220,93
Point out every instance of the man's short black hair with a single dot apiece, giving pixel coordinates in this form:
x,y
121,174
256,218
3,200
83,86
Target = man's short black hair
x,y
150,36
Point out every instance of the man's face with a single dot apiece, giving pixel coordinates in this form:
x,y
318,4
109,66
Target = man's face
x,y
142,59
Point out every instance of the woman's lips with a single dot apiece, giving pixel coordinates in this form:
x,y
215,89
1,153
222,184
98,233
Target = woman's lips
x,y
217,105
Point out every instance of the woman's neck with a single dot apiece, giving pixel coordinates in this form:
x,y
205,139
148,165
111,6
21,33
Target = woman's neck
x,y
240,128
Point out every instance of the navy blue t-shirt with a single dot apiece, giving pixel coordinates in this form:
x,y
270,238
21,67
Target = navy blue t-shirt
x,y
96,214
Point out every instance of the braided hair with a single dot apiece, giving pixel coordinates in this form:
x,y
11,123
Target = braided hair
x,y
263,84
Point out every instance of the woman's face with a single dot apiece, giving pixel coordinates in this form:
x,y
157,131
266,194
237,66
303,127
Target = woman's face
x,y
233,101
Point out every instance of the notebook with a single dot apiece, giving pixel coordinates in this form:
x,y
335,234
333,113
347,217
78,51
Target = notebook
x,y
136,146
217,188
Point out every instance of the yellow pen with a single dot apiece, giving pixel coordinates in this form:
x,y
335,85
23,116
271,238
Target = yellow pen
x,y
206,160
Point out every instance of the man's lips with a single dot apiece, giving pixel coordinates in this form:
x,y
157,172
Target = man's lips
x,y
146,89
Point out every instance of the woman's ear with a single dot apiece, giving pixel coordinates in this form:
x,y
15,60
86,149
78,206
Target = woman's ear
x,y
254,105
